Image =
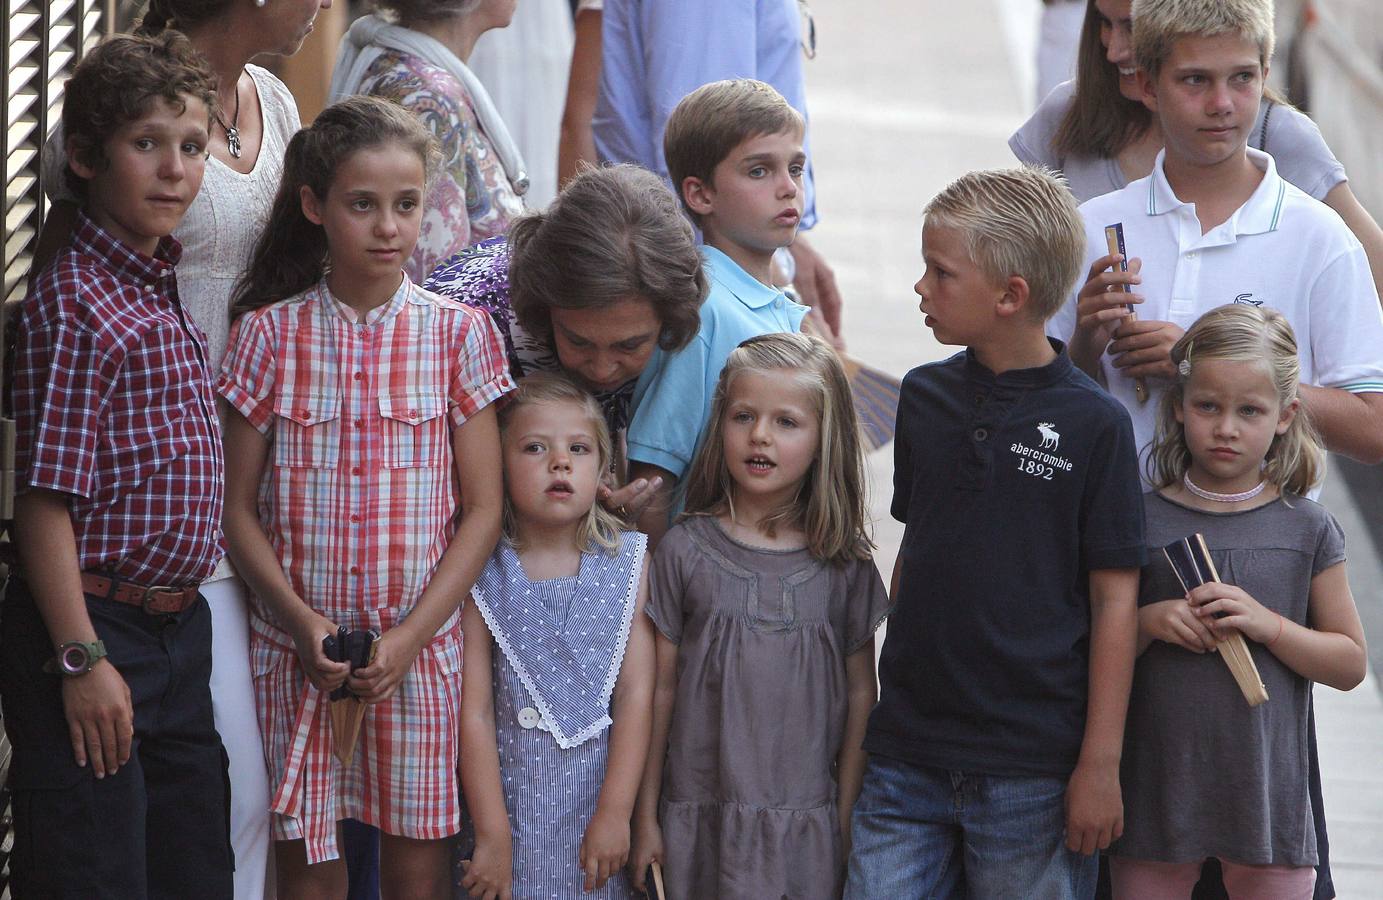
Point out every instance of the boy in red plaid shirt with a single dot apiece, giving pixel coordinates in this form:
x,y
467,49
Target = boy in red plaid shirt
x,y
118,773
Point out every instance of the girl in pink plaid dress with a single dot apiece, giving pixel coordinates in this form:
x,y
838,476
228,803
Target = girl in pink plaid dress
x,y
363,484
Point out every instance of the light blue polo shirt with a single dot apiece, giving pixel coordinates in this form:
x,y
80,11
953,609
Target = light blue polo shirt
x,y
673,397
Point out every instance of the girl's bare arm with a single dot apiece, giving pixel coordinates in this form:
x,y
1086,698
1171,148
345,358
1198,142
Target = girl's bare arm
x,y
1331,651
475,446
648,838
861,688
246,451
490,869
605,848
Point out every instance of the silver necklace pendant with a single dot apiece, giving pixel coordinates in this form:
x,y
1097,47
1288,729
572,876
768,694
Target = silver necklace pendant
x,y
232,140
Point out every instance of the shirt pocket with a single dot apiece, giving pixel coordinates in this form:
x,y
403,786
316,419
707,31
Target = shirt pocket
x,y
307,431
415,431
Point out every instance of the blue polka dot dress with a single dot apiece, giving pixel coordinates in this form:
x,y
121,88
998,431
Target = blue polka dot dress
x,y
557,650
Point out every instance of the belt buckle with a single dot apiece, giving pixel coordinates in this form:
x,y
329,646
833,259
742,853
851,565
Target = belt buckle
x,y
147,596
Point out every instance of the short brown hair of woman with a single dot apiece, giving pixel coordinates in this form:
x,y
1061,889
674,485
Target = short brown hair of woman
x,y
614,233
600,528
118,81
716,118
830,506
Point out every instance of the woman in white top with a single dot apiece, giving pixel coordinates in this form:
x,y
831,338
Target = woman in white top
x,y
1096,130
248,138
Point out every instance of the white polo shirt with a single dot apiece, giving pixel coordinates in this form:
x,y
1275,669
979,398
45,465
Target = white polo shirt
x,y
1281,249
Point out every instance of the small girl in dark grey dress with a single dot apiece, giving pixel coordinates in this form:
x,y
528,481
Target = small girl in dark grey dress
x,y
1205,775
558,673
766,599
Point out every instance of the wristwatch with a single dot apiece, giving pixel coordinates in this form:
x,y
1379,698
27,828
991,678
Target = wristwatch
x,y
76,658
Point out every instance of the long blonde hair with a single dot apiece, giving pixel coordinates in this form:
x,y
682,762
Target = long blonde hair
x,y
1240,333
830,504
600,528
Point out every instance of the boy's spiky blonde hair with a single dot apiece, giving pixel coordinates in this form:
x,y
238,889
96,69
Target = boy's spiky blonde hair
x,y
1021,221
1158,23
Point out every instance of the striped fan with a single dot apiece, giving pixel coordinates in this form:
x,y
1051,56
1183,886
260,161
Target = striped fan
x,y
875,393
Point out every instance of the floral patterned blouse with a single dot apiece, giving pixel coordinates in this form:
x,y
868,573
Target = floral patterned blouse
x,y
471,198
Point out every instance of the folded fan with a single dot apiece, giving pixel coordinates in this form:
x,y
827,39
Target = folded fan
x,y
1190,560
347,710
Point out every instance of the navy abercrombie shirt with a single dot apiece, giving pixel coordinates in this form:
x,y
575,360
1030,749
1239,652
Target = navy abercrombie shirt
x,y
1012,489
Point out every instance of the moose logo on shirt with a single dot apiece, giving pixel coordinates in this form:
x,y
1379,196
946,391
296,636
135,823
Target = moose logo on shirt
x,y
1037,461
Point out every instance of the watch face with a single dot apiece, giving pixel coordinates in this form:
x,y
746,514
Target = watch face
x,y
75,660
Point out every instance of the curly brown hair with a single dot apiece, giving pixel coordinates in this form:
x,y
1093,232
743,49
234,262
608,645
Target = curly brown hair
x,y
117,82
613,233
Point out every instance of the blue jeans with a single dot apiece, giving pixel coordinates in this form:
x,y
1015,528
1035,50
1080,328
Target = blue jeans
x,y
925,832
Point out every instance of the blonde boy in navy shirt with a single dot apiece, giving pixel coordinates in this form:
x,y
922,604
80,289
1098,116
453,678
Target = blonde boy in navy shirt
x,y
995,746
734,151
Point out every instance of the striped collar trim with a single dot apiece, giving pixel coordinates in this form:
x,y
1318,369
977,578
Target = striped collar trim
x,y
1261,213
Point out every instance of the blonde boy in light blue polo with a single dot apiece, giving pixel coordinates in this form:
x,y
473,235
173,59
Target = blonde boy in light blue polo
x,y
734,151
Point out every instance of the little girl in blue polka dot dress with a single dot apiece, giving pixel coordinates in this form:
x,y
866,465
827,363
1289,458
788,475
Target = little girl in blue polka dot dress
x,y
558,673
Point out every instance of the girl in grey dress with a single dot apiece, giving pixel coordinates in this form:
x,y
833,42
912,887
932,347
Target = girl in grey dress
x,y
766,600
558,671
1204,774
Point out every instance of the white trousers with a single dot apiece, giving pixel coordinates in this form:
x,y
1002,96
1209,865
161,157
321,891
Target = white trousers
x,y
233,702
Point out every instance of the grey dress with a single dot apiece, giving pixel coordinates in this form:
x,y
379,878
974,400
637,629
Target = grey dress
x,y
748,807
1203,774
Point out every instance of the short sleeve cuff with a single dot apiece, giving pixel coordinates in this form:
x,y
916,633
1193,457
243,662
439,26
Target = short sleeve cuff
x,y
666,630
1367,386
58,479
1130,557
258,411
876,620
479,397
655,456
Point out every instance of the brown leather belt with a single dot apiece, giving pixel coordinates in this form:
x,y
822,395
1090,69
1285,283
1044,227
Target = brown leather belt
x,y
156,600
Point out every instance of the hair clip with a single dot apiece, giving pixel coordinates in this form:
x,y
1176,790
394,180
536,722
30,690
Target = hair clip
x,y
1184,367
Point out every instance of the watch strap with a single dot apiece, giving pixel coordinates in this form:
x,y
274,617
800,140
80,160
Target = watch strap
x,y
95,652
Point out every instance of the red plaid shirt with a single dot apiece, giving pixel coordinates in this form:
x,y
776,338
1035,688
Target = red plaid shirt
x,y
113,405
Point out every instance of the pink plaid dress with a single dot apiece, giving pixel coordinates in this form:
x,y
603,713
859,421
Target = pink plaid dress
x,y
358,501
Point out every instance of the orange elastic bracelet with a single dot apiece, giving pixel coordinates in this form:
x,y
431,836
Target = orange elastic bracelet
x,y
1281,620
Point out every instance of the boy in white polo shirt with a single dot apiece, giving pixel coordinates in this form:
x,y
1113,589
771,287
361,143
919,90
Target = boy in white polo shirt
x,y
1215,224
